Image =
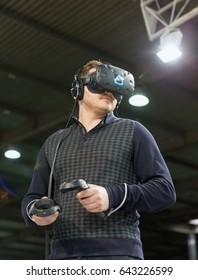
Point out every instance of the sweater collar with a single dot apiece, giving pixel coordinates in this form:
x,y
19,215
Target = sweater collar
x,y
110,117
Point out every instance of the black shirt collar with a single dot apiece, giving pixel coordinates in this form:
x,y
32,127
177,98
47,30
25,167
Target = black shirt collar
x,y
110,117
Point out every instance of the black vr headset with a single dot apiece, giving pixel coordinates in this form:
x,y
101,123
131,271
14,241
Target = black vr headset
x,y
106,78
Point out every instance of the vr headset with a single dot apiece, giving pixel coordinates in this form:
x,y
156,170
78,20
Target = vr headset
x,y
110,78
106,78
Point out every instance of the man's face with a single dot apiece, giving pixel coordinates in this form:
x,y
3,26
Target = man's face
x,y
99,102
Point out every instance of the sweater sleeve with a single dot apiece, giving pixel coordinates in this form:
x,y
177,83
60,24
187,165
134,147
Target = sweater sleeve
x,y
38,186
154,190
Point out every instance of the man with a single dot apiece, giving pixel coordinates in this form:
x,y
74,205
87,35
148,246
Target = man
x,y
117,158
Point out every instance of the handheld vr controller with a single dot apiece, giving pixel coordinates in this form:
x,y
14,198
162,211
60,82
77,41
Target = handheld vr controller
x,y
44,207
80,185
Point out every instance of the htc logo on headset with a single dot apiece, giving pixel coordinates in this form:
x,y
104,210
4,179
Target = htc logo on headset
x,y
106,78
119,80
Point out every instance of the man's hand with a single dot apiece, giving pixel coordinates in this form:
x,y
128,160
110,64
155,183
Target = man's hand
x,y
44,221
94,199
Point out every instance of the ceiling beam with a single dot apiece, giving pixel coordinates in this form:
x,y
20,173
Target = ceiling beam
x,y
65,38
45,121
170,145
24,75
18,110
182,162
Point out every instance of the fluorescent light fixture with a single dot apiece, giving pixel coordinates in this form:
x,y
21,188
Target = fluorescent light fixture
x,y
193,222
169,44
169,53
138,100
12,154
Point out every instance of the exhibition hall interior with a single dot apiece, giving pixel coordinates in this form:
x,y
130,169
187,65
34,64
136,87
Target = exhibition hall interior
x,y
43,43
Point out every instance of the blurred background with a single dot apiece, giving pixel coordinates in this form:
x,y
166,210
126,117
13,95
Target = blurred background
x,y
42,44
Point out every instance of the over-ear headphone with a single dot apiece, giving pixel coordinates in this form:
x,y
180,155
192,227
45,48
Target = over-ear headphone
x,y
77,89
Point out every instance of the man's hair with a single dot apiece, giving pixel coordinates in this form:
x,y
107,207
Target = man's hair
x,y
83,71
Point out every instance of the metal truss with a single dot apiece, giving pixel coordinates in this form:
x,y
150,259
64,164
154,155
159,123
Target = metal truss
x,y
160,18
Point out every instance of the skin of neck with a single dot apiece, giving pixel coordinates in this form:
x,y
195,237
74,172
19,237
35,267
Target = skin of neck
x,y
90,118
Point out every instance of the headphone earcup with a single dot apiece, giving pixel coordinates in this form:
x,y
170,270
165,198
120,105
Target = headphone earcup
x,y
77,89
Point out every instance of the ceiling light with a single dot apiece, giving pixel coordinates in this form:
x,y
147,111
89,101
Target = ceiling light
x,y
169,44
193,222
138,100
12,154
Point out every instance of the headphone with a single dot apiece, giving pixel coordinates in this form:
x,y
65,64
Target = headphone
x,y
77,89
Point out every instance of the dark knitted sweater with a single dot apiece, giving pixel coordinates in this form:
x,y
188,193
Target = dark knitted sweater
x,y
115,152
